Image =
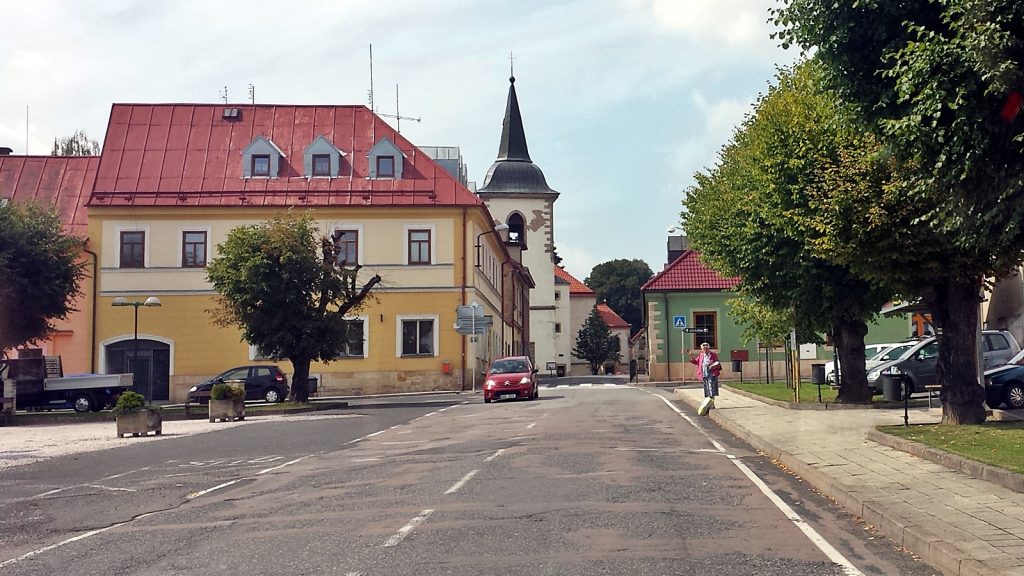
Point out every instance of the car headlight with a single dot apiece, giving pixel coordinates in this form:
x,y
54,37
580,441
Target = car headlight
x,y
489,384
873,375
525,380
193,389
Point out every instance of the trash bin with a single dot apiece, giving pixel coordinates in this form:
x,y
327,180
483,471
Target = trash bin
x,y
737,365
817,373
891,389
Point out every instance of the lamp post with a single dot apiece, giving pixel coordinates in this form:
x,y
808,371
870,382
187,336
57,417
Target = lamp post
x,y
498,228
152,302
475,337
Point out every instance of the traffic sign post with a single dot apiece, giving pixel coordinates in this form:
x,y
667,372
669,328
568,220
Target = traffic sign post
x,y
679,322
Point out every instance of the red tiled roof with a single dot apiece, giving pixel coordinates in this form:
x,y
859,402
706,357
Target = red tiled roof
x,y
190,155
610,318
575,286
61,182
688,273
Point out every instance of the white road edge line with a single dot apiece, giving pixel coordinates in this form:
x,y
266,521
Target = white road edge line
x,y
455,487
404,530
826,548
531,425
495,455
59,544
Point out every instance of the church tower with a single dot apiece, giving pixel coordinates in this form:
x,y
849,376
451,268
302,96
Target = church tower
x,y
517,194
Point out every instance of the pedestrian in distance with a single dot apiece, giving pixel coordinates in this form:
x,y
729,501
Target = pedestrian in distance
x,y
708,370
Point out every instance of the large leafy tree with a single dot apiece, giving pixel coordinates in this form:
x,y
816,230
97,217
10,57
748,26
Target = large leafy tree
x,y
617,283
750,215
280,282
40,272
940,82
78,144
595,342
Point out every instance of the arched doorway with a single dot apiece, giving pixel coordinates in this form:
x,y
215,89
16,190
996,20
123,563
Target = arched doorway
x,y
151,367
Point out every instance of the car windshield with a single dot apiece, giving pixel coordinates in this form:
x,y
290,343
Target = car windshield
x,y
508,367
891,353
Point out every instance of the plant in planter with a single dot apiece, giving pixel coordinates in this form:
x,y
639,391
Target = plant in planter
x,y
134,417
227,402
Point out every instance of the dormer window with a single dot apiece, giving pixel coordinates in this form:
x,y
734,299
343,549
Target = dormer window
x,y
385,166
386,160
321,159
261,159
321,165
260,165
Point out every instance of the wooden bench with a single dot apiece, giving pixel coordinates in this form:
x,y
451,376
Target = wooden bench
x,y
930,388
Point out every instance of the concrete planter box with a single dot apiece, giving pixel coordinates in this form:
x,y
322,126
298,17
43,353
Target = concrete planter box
x,y
227,410
141,422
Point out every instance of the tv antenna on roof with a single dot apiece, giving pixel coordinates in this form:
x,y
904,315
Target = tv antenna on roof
x,y
252,94
224,94
398,116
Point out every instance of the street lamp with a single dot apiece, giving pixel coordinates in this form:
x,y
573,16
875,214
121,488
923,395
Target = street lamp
x,y
152,302
498,228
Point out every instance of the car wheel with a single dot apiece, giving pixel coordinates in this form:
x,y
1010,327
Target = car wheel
x,y
1013,395
272,396
83,403
536,393
487,400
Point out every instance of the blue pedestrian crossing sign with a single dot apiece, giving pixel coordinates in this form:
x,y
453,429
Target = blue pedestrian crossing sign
x,y
679,322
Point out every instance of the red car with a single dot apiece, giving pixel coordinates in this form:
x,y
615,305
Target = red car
x,y
510,378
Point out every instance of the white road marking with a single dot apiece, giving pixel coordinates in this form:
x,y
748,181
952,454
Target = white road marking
x,y
366,460
217,487
58,545
455,487
531,425
377,433
404,442
826,548
288,463
111,488
493,456
586,385
640,449
404,530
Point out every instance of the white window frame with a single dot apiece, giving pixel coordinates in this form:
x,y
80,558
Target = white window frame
x,y
181,245
433,242
366,338
398,334
145,246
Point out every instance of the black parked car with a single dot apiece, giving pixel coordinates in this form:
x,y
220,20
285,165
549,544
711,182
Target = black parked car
x,y
1005,384
262,382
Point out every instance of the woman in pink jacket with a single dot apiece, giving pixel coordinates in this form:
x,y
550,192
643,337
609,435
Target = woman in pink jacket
x,y
708,369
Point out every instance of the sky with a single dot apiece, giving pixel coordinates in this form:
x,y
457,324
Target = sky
x,y
622,100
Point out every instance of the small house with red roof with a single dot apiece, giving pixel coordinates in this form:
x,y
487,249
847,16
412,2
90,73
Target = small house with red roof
x,y
174,179
688,294
619,329
62,183
573,302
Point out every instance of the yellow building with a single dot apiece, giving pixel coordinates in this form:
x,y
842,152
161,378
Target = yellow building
x,y
174,179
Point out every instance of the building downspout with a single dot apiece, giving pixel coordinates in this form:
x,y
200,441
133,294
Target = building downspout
x,y
668,340
95,295
465,237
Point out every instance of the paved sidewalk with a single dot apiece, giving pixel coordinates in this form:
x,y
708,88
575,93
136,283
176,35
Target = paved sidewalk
x,y
958,524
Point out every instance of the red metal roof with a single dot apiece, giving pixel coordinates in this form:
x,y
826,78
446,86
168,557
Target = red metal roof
x,y
190,155
611,319
688,273
61,182
575,286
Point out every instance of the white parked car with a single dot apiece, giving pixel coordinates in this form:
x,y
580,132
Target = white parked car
x,y
870,351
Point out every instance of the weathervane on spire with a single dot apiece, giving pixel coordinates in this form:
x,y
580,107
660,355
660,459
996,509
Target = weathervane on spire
x,y
511,68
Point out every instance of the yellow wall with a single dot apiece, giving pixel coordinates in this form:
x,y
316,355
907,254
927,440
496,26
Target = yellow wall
x,y
200,350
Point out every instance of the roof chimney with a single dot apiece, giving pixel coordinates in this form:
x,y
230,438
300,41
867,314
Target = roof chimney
x,y
5,151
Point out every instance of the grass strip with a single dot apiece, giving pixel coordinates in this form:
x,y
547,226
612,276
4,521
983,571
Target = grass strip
x,y
999,444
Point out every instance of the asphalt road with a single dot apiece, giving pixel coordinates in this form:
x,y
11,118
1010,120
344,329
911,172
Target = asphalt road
x,y
583,481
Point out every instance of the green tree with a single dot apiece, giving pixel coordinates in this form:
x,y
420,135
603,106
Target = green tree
x,y
282,287
617,283
40,272
595,342
937,80
78,144
752,216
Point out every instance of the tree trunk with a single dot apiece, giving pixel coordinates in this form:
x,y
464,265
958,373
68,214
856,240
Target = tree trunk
x,y
849,338
955,311
300,380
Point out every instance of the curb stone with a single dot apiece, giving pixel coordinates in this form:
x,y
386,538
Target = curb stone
x,y
1005,478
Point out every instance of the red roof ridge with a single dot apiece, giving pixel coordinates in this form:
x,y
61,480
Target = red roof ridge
x,y
689,273
610,317
575,286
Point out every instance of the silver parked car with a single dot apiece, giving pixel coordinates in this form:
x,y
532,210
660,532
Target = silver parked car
x,y
917,365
